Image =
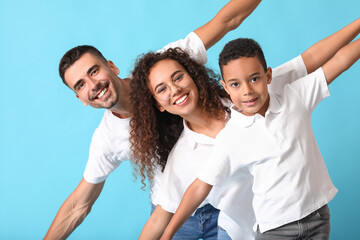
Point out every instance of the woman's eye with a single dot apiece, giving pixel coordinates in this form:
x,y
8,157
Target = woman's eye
x,y
234,84
161,90
178,77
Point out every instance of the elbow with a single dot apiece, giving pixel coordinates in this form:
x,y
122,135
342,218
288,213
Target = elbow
x,y
233,23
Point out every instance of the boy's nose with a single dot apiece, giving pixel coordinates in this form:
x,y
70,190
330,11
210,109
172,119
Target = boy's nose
x,y
247,89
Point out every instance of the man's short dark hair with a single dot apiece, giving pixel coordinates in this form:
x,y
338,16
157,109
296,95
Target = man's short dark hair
x,y
241,47
71,56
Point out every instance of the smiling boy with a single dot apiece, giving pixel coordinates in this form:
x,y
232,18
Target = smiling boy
x,y
270,135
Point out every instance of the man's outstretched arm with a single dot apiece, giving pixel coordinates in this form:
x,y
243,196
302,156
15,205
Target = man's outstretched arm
x,y
227,19
74,210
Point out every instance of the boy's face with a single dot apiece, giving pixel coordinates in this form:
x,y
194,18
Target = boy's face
x,y
246,82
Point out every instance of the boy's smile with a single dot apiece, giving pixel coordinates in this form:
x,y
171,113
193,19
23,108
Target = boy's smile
x,y
246,82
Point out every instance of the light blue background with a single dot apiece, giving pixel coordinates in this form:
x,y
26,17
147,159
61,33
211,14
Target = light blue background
x,y
46,131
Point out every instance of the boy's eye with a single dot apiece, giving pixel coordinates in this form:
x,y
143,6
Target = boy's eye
x,y
235,84
254,79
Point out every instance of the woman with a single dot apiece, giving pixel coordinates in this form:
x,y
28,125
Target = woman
x,y
178,89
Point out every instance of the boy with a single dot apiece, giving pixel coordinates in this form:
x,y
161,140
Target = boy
x,y
274,141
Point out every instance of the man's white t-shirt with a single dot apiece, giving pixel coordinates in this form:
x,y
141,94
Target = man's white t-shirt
x,y
191,154
110,143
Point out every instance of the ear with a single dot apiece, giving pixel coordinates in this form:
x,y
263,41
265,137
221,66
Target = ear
x,y
268,74
113,67
85,104
161,109
224,85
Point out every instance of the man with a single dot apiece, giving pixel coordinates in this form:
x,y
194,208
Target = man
x,y
95,82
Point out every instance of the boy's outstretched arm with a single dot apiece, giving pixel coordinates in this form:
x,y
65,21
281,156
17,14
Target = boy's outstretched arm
x,y
227,19
318,54
156,224
342,60
193,197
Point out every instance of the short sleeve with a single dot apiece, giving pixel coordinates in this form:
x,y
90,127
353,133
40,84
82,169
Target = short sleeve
x,y
193,45
287,73
171,189
105,156
311,89
218,168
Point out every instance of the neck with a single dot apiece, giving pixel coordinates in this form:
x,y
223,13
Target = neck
x,y
123,108
208,126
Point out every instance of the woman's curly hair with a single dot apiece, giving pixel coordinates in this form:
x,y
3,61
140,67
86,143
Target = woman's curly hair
x,y
154,133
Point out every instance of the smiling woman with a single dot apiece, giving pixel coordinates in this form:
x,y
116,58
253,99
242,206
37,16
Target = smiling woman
x,y
191,91
167,88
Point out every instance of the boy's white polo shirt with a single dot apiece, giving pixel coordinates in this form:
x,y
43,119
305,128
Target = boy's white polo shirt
x,y
280,151
191,154
110,142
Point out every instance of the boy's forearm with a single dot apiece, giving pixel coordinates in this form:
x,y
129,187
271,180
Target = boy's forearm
x,y
322,51
193,197
342,60
156,224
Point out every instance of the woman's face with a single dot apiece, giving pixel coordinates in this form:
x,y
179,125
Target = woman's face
x,y
173,88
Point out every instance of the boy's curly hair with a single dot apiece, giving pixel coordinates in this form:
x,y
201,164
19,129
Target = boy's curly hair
x,y
154,133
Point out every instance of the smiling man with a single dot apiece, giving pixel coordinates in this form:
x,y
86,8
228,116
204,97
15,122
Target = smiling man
x,y
95,82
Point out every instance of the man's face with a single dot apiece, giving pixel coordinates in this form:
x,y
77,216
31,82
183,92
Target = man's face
x,y
246,82
94,81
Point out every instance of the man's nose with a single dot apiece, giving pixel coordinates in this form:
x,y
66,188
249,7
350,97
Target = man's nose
x,y
94,84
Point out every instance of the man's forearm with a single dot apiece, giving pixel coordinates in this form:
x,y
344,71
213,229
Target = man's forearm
x,y
74,210
227,19
66,221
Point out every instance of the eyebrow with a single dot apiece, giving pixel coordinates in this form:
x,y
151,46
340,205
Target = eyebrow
x,y
250,76
88,72
171,76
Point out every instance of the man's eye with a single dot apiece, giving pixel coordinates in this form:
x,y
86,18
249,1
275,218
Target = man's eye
x,y
81,85
94,72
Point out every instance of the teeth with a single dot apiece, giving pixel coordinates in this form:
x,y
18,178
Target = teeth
x,y
181,99
102,92
252,100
